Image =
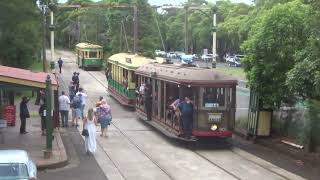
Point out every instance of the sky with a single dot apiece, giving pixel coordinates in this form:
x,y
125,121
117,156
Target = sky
x,y
176,2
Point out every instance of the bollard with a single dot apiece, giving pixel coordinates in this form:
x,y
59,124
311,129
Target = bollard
x,y
52,65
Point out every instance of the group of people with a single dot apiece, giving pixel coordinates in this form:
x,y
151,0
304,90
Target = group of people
x,y
183,109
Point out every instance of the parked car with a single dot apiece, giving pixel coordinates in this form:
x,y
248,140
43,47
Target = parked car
x,y
16,164
236,62
195,57
160,53
171,55
179,54
186,59
207,57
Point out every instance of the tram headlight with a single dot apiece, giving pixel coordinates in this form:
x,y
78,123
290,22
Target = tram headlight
x,y
214,127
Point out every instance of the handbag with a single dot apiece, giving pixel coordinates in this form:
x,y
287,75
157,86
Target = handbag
x,y
85,132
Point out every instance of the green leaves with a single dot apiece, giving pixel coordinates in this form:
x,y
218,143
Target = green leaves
x,y
19,32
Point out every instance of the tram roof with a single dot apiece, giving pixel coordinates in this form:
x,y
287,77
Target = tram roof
x,y
26,77
87,45
185,75
129,61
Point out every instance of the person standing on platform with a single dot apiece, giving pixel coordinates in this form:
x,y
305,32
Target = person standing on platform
x,y
24,114
83,100
76,105
60,62
72,90
64,105
148,100
89,123
76,80
186,109
42,113
105,117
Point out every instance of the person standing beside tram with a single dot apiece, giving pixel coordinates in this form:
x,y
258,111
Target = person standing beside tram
x,y
148,100
186,110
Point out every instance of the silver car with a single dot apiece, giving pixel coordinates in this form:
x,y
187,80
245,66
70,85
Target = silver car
x,y
16,164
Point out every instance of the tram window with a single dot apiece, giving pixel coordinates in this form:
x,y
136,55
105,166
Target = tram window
x,y
133,77
213,97
92,54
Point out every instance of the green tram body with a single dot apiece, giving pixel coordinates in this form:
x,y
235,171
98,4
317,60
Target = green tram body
x,y
123,66
89,55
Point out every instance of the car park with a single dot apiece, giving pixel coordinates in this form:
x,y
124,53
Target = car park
x,y
16,164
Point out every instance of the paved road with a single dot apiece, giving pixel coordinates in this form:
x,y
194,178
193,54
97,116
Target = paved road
x,y
80,165
134,151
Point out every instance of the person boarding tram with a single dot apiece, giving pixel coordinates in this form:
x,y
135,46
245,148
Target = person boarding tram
x,y
186,110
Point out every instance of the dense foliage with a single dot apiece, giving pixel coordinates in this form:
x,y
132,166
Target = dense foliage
x,y
19,32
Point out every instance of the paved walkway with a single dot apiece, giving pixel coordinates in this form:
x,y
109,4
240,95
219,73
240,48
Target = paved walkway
x,y
33,142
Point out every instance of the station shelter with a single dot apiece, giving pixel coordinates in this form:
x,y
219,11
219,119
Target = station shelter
x,y
13,80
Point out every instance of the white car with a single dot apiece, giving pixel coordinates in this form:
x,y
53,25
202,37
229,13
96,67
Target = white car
x,y
207,57
171,55
160,53
16,164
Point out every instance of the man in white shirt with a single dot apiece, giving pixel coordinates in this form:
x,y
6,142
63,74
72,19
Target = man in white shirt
x,y
64,105
83,100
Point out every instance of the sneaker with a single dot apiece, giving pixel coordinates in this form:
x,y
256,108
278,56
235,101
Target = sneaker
x,y
25,132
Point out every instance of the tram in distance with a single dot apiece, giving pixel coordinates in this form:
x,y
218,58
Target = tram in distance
x,y
122,84
212,94
89,56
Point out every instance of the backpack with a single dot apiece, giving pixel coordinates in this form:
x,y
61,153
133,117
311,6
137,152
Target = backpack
x,y
76,102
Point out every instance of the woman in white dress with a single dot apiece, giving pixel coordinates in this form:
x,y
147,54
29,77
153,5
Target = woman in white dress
x,y
90,123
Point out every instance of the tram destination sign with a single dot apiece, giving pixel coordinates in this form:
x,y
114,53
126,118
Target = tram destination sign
x,y
215,117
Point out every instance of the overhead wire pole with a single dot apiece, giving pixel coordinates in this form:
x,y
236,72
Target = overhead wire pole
x,y
186,30
43,27
135,17
135,28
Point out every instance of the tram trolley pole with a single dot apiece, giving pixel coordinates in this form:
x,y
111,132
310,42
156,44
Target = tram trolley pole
x,y
48,151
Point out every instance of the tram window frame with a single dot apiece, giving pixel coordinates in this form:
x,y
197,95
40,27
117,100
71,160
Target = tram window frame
x,y
93,54
219,100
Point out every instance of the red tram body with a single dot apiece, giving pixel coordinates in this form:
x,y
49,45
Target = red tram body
x,y
213,95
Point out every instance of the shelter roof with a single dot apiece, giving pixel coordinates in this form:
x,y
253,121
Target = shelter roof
x,y
131,61
25,77
184,74
87,45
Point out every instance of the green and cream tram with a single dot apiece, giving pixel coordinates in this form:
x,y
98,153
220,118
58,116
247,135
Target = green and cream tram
x,y
213,95
122,84
89,55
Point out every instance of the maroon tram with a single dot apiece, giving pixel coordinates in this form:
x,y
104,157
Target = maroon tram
x,y
213,95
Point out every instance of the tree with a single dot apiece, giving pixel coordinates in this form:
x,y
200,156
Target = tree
x,y
19,32
270,50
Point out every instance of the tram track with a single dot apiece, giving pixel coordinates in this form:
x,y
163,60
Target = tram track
x,y
149,157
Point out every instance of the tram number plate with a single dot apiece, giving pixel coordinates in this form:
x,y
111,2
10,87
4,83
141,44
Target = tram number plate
x,y
214,117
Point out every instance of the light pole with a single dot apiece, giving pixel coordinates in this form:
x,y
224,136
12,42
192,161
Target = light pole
x,y
52,8
43,9
214,35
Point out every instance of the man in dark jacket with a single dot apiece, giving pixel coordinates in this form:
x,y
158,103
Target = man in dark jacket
x,y
24,114
60,62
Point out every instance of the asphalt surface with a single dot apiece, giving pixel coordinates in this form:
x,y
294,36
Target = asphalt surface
x,y
80,165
